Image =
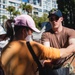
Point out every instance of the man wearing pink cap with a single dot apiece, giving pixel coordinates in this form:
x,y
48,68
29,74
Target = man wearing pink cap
x,y
16,57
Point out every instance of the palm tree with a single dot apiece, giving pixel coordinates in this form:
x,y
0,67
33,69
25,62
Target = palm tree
x,y
29,8
23,7
4,17
16,12
39,20
10,9
26,8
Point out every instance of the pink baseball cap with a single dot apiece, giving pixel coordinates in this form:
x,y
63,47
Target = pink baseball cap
x,y
26,20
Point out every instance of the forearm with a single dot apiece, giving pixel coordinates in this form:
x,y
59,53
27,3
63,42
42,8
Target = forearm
x,y
64,52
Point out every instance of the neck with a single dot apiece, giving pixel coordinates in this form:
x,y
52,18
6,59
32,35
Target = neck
x,y
58,30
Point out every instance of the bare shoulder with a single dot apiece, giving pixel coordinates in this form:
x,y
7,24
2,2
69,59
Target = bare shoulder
x,y
72,41
69,30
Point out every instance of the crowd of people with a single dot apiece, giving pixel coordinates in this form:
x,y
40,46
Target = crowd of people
x,y
56,44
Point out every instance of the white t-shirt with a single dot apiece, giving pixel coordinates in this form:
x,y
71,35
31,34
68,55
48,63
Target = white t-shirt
x,y
29,38
4,43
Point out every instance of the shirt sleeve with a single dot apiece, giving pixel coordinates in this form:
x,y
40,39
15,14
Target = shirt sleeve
x,y
46,52
71,33
44,37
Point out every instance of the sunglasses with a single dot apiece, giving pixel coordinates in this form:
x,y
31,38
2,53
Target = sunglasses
x,y
54,18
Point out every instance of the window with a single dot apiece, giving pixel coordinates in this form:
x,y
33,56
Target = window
x,y
3,6
40,10
3,1
36,13
0,10
0,5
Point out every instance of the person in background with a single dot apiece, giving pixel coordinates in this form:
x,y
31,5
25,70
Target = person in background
x,y
58,36
16,58
3,38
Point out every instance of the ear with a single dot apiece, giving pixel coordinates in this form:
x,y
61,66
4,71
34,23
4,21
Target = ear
x,y
61,18
24,31
30,32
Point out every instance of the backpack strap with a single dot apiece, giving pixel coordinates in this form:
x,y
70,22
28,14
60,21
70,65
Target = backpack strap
x,y
58,65
34,55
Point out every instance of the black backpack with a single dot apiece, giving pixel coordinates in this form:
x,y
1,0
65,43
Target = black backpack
x,y
1,71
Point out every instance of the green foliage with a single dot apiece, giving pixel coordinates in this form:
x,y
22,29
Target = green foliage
x,y
45,17
29,8
39,20
23,6
16,12
10,9
26,7
35,18
3,17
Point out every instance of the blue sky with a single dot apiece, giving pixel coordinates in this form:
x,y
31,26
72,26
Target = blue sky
x,y
25,0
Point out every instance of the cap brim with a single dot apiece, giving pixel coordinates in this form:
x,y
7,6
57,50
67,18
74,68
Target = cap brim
x,y
36,30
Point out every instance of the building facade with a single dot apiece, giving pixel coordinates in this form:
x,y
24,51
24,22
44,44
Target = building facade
x,y
39,6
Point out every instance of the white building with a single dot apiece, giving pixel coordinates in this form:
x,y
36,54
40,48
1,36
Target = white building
x,y
39,6
3,4
42,6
